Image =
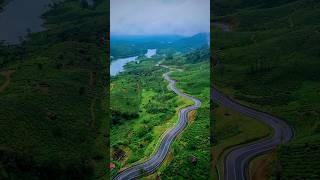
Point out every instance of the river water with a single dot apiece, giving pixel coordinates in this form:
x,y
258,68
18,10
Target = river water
x,y
20,16
117,65
151,52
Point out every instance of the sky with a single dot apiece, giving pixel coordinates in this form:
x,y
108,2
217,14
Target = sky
x,y
159,17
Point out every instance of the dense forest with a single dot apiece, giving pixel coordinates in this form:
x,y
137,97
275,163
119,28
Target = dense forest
x,y
144,109
269,59
125,46
53,97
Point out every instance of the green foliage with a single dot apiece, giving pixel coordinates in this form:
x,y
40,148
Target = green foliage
x,y
198,56
157,112
298,160
195,139
53,112
138,45
142,91
270,60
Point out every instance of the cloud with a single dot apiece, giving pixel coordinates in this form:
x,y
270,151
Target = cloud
x,y
151,17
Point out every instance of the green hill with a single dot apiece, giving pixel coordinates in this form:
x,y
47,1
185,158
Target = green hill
x,y
125,46
271,60
53,119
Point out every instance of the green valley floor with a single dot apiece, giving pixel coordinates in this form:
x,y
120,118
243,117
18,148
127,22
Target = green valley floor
x,y
144,109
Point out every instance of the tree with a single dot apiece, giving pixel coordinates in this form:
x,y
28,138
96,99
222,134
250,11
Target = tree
x,y
84,4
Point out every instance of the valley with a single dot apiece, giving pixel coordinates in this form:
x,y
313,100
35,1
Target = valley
x,y
145,109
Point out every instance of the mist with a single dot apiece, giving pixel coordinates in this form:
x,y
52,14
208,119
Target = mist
x,y
159,17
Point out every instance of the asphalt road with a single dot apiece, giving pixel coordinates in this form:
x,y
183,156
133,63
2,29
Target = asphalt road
x,y
151,165
236,162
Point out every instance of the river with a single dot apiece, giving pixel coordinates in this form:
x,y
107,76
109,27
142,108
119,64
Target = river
x,y
20,16
117,65
151,52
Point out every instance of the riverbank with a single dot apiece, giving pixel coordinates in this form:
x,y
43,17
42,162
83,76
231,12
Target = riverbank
x,y
58,88
140,113
117,65
26,14
147,105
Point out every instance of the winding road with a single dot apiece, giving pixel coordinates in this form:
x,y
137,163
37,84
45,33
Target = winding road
x,y
237,160
151,165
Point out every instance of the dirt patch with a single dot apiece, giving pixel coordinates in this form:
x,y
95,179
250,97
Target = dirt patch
x,y
7,75
192,116
260,167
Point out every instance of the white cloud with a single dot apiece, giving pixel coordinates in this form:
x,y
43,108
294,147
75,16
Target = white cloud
x,y
149,17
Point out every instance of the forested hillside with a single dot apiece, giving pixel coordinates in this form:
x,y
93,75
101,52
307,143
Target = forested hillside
x,y
53,97
270,60
125,46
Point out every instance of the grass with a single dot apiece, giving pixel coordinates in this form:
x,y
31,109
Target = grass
x,y
270,61
127,93
158,110
259,167
156,107
233,129
53,112
194,141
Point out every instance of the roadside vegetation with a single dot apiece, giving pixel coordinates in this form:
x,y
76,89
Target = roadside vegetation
x,y
144,109
232,129
53,112
190,153
270,60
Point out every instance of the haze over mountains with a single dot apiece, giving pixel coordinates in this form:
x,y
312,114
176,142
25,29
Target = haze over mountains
x,y
126,45
140,17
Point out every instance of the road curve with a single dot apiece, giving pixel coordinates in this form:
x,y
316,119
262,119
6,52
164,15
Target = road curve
x,y
237,161
151,165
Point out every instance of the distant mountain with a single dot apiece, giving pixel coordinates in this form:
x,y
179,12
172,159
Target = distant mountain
x,y
190,43
145,39
125,46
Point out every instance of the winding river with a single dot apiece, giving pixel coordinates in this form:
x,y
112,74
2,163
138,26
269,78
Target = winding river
x,y
151,52
117,65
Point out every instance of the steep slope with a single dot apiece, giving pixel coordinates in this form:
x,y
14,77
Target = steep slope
x,y
53,119
270,60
